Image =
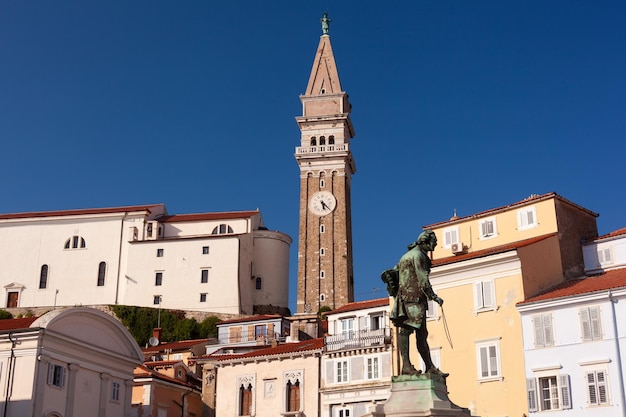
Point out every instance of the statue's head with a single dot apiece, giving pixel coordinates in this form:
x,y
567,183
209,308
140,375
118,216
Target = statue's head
x,y
427,240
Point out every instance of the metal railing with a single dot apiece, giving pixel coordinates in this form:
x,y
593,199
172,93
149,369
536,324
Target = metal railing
x,y
358,339
322,148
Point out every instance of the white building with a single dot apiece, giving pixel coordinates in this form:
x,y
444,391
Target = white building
x,y
139,255
71,362
575,339
356,365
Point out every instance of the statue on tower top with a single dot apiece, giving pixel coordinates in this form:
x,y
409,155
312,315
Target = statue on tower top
x,y
325,23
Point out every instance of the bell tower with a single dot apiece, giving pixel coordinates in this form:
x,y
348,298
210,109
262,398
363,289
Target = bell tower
x,y
325,275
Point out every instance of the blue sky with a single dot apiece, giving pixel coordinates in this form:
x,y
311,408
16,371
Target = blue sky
x,y
465,105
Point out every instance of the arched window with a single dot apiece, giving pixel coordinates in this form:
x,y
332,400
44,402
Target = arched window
x,y
75,242
313,141
43,277
259,283
322,140
222,229
293,396
331,140
245,400
102,269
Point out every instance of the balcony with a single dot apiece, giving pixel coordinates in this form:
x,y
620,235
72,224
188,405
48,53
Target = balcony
x,y
360,339
321,149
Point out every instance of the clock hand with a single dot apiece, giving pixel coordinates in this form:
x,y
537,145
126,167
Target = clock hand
x,y
324,206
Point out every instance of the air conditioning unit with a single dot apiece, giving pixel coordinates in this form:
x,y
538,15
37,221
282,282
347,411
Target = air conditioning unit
x,y
457,248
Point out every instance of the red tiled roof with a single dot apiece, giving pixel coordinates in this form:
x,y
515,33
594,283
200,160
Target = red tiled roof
x,y
154,364
76,212
250,319
194,217
180,345
285,348
358,305
143,371
609,280
531,199
14,324
614,233
491,251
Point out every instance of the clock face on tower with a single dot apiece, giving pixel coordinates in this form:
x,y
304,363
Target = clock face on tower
x,y
322,203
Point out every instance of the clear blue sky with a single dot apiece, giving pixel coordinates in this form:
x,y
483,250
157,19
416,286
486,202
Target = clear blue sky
x,y
458,104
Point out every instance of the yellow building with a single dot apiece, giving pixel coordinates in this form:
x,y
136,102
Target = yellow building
x,y
483,265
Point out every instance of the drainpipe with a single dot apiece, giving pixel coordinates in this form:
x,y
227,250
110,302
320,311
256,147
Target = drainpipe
x,y
9,387
618,353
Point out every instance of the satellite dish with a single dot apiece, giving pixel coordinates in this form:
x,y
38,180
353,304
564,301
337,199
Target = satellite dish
x,y
153,341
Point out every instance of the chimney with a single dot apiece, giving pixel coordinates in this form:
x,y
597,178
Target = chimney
x,y
156,333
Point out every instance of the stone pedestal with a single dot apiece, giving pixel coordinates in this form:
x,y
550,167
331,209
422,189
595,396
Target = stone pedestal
x,y
423,395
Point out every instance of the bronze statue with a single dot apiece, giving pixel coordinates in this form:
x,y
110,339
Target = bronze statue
x,y
325,23
408,283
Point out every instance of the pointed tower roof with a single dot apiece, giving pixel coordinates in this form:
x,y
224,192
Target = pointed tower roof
x,y
324,77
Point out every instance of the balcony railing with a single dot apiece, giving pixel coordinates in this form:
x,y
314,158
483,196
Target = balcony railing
x,y
322,148
363,338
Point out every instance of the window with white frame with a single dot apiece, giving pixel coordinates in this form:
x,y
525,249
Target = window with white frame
x,y
56,375
346,327
526,218
604,256
590,323
377,321
294,398
484,295
542,325
372,366
487,228
550,392
435,357
341,371
343,412
322,251
450,236
245,400
597,392
488,359
433,311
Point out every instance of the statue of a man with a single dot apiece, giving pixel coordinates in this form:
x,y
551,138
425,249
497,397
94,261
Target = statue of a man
x,y
408,282
325,23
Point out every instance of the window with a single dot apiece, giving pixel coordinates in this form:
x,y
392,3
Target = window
x,y
322,228
102,269
604,256
260,331
596,388
450,236
331,140
203,297
158,278
373,367
43,277
487,228
322,183
526,218
205,250
377,322
313,141
222,229
75,242
548,393
344,412
115,391
159,253
322,251
322,274
245,400
484,296
341,368
322,297
204,276
322,140
347,327
542,323
590,323
293,396
258,283
433,311
156,299
56,375
488,360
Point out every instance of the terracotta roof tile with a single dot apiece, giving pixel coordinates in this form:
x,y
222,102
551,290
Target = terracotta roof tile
x,y
76,212
491,251
182,344
194,217
618,232
14,324
358,305
609,280
285,348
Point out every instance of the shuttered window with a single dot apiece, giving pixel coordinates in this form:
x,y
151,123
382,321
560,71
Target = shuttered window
x,y
596,388
484,295
591,326
542,324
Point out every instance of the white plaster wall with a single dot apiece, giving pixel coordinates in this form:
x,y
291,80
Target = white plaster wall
x,y
271,263
196,228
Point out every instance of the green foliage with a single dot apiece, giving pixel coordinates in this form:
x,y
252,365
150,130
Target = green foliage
x,y
140,321
5,315
322,310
